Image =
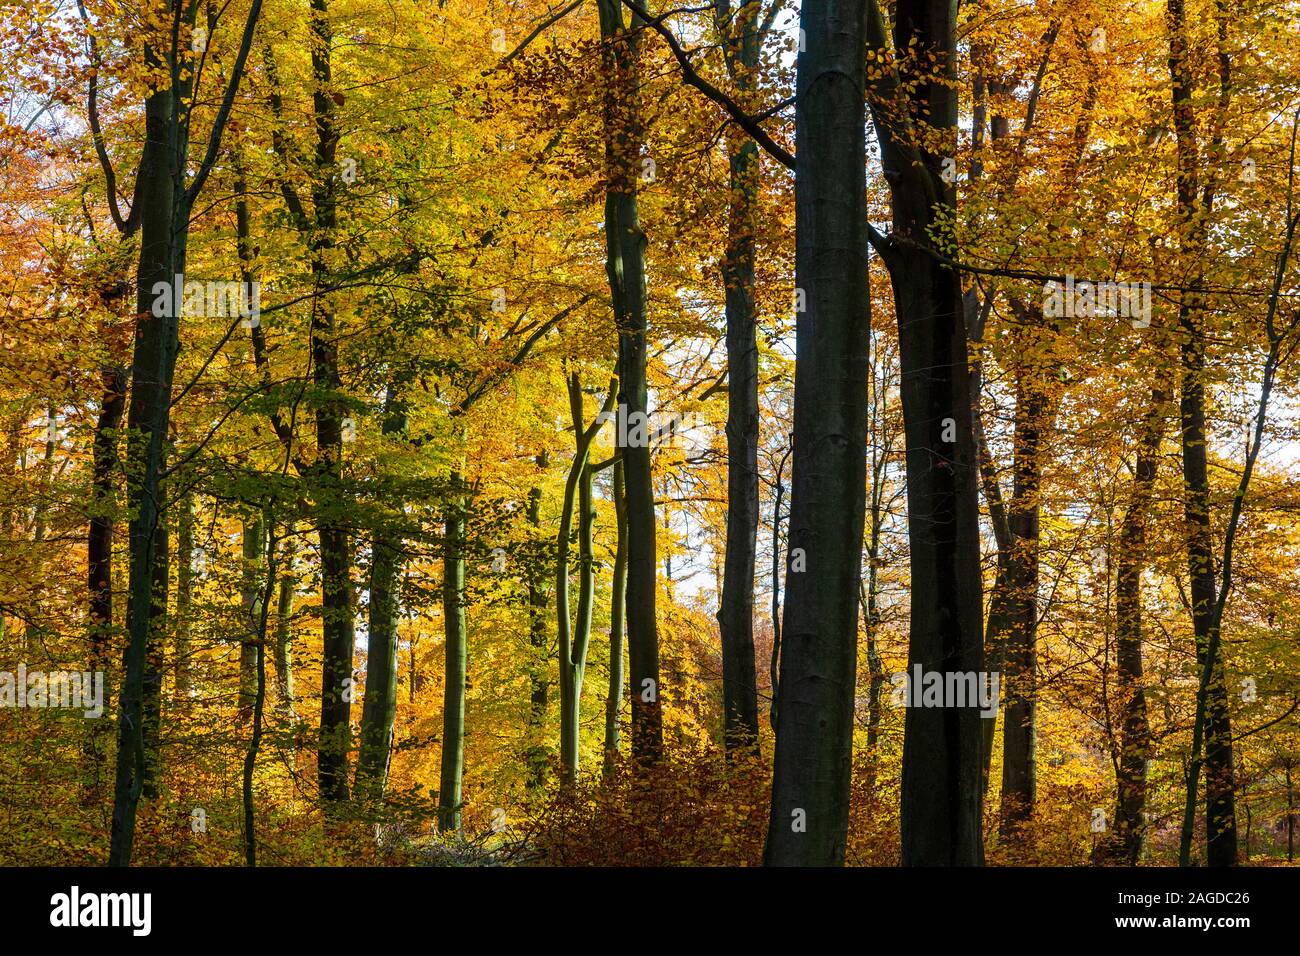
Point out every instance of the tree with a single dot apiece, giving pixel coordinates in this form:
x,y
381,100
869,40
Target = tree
x,y
819,634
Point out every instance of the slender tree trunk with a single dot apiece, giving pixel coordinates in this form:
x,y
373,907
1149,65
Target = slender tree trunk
x,y
1193,213
183,669
99,553
614,695
808,825
1019,728
155,665
574,637
1129,830
250,594
380,708
537,665
1290,816
453,615
335,548
625,267
284,629
880,444
736,606
261,605
774,664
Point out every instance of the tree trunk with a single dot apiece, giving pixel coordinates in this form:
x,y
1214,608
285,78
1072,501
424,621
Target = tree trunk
x,y
154,664
537,664
284,629
335,548
1032,417
453,700
1193,213
261,608
942,766
574,637
1125,843
808,825
736,605
380,708
625,268
774,664
183,669
250,594
614,695
99,552
151,371
1290,816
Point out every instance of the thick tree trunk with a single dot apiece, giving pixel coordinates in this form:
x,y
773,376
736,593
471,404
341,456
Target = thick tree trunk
x,y
151,372
625,268
162,205
814,732
380,707
942,752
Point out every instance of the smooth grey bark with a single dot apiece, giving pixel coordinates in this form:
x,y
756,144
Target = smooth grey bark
x,y
808,825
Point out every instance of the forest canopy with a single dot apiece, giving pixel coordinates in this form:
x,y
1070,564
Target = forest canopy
x,y
501,432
